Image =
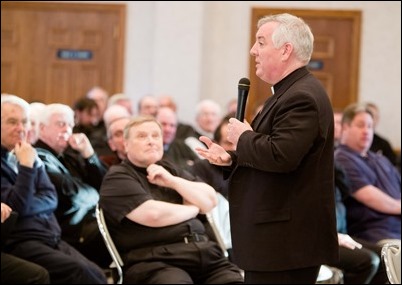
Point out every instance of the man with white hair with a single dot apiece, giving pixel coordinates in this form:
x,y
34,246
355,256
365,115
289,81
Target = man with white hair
x,y
76,171
208,117
122,100
148,105
114,112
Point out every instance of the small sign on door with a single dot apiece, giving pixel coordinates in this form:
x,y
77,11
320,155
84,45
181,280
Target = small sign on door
x,y
71,54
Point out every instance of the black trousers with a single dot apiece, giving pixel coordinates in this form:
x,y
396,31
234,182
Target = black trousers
x,y
306,275
15,270
362,266
181,263
63,262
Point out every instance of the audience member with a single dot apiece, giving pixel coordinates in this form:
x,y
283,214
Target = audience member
x,y
35,108
77,173
86,116
26,188
100,96
374,202
174,149
113,113
167,101
116,142
148,105
380,144
122,100
151,208
15,270
337,127
359,260
208,116
183,130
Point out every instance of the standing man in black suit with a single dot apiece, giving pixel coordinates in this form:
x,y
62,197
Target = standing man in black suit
x,y
281,191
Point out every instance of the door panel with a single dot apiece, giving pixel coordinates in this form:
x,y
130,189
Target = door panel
x,y
335,60
55,52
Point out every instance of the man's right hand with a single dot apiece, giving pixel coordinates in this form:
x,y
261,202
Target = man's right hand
x,y
25,153
5,212
215,154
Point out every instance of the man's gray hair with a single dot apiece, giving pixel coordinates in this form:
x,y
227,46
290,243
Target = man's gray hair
x,y
294,30
56,108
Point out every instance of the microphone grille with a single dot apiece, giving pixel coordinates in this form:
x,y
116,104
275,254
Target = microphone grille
x,y
244,84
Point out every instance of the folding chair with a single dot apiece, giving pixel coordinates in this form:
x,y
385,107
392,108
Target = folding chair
x,y
391,255
217,234
117,261
219,221
329,275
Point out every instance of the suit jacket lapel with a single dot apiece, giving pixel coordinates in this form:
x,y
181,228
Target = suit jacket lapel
x,y
279,88
264,111
51,161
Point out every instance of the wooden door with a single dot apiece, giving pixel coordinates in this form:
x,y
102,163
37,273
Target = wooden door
x,y
55,52
335,60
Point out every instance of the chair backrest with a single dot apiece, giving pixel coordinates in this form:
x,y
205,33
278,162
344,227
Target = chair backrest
x,y
221,218
217,234
117,261
219,221
391,255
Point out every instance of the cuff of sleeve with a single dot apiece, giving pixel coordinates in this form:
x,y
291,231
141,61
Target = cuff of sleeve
x,y
93,159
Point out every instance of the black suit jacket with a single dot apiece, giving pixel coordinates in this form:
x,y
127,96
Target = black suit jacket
x,y
282,206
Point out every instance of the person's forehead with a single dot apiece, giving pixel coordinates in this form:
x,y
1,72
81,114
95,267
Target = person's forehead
x,y
59,116
362,116
145,126
119,124
12,111
266,29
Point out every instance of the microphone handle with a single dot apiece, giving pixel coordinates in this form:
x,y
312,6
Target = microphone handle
x,y
241,106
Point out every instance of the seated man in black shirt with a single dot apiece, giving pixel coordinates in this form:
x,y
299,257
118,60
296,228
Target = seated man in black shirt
x,y
151,207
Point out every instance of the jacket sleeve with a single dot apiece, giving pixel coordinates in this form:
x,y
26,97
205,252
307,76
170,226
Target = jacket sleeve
x,y
31,193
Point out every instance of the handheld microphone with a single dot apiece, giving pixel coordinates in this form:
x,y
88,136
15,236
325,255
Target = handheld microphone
x,y
244,87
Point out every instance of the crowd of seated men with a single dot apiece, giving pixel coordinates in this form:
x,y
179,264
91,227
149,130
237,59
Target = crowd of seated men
x,y
63,157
